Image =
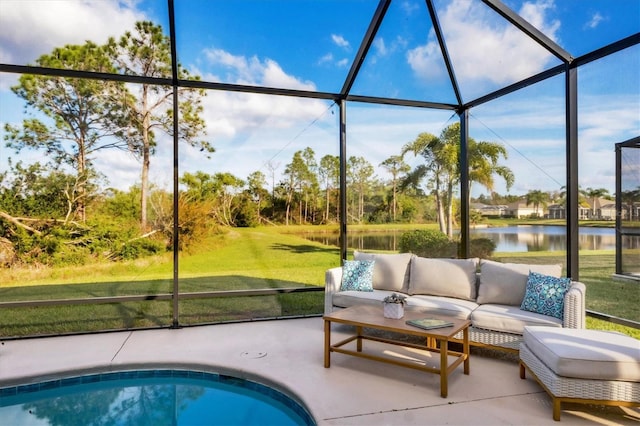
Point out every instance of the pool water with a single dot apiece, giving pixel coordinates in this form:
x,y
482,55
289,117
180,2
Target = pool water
x,y
153,397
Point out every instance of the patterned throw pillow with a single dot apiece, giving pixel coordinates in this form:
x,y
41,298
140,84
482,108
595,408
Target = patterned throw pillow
x,y
545,295
357,275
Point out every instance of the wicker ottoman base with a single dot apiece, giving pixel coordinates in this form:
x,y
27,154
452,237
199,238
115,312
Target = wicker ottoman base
x,y
569,389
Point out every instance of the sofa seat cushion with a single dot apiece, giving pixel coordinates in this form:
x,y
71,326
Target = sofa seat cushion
x,y
345,299
586,354
443,277
509,319
438,305
390,272
505,283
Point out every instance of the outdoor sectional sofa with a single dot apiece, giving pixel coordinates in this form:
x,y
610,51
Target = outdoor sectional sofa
x,y
488,293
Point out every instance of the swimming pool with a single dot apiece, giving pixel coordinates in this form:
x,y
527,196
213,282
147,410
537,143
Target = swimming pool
x,y
150,397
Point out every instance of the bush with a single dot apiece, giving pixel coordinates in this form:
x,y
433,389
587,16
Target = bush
x,y
139,248
482,248
427,243
432,243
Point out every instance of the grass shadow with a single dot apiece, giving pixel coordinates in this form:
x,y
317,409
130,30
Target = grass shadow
x,y
75,318
303,248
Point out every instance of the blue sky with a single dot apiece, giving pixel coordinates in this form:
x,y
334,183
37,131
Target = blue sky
x,y
310,44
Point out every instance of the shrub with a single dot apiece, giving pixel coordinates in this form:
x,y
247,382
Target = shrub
x,y
427,243
139,248
482,248
432,243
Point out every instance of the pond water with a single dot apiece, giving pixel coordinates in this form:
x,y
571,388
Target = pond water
x,y
520,238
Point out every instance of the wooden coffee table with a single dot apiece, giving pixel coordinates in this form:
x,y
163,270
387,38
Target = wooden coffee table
x,y
436,340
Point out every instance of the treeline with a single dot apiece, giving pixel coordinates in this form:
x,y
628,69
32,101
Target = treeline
x,y
60,210
40,224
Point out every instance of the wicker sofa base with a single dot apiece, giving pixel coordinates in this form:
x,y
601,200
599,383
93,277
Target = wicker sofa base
x,y
492,339
569,389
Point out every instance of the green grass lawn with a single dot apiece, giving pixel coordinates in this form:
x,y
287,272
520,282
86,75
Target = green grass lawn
x,y
241,259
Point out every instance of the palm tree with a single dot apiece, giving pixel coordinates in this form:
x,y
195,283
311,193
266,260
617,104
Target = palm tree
x,y
430,148
537,198
442,158
594,194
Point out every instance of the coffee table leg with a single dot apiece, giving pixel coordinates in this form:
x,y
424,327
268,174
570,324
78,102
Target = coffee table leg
x,y
444,348
327,343
465,349
359,334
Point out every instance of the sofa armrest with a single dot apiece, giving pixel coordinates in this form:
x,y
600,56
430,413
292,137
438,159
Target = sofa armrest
x,y
574,306
332,281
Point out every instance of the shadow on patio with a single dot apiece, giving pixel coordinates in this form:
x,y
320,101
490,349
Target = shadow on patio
x,y
353,391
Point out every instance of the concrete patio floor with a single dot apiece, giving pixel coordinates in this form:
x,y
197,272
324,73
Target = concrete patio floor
x,y
289,355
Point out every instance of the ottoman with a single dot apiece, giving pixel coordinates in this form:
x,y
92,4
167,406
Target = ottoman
x,y
581,365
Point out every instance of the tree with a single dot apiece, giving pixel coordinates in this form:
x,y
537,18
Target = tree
x,y
272,167
359,173
147,52
483,164
594,194
309,183
226,188
256,182
87,115
301,181
442,167
395,165
437,168
329,173
218,192
537,198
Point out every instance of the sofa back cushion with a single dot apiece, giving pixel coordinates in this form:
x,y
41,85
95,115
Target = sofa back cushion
x,y
390,272
505,283
443,277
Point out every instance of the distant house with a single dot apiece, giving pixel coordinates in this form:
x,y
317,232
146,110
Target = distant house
x,y
601,209
630,212
607,211
490,210
520,209
558,211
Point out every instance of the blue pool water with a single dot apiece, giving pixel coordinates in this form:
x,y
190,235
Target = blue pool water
x,y
153,397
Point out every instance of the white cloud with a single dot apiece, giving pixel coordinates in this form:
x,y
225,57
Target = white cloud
x,y
340,41
122,168
329,59
379,46
247,129
228,114
426,61
382,48
33,28
409,7
534,134
480,44
253,71
326,59
594,21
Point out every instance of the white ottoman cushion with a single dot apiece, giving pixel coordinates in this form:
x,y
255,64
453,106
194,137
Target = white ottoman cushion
x,y
585,354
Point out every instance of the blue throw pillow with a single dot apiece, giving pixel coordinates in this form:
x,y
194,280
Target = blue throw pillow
x,y
357,275
545,295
